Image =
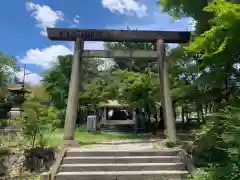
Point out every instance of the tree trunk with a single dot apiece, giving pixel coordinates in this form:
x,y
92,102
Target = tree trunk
x,y
34,138
198,116
174,111
183,116
203,118
206,108
198,113
161,124
187,117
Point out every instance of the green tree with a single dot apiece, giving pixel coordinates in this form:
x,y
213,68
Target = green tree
x,y
37,122
7,68
37,91
212,80
132,64
56,79
206,67
139,90
187,8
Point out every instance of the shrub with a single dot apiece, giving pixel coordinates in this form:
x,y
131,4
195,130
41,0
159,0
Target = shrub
x,y
61,118
37,122
4,109
217,146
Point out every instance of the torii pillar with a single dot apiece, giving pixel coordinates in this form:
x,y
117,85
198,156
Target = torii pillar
x,y
166,100
75,82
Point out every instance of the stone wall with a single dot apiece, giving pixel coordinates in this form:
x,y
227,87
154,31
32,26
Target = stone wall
x,y
24,164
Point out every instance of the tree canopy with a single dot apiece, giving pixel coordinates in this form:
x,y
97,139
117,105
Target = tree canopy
x,y
7,68
56,80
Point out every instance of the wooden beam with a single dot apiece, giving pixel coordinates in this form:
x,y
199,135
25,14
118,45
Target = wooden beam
x,y
71,34
120,54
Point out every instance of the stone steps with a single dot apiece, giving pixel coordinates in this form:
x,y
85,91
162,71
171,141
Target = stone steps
x,y
121,167
121,164
124,159
76,152
128,128
122,175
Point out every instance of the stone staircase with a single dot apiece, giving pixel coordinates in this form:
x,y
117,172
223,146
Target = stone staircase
x,y
117,128
110,164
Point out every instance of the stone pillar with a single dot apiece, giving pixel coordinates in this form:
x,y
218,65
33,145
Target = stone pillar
x,y
15,112
105,113
158,113
134,118
75,82
165,91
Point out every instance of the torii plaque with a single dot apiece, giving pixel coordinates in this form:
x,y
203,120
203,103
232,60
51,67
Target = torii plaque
x,y
81,35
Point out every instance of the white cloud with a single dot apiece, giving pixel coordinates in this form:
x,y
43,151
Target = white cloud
x,y
128,7
44,15
94,45
76,19
45,57
89,45
31,78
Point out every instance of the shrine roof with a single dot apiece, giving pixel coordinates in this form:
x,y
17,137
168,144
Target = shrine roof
x,y
113,103
17,87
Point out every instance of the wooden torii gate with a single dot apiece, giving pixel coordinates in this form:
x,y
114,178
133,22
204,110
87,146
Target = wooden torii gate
x,y
81,35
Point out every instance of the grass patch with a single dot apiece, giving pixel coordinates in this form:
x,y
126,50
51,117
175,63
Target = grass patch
x,y
89,138
56,138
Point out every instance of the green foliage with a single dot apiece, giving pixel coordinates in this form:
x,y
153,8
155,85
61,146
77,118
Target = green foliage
x,y
187,8
201,174
7,68
135,65
56,80
204,72
209,80
138,90
95,91
38,91
37,122
4,109
223,32
218,145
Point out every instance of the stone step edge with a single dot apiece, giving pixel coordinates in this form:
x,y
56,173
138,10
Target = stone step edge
x,y
122,150
122,157
121,164
122,173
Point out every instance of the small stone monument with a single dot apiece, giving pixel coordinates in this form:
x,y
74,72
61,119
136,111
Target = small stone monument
x,y
17,97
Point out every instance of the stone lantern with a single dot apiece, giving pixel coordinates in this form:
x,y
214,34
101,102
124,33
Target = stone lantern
x,y
17,98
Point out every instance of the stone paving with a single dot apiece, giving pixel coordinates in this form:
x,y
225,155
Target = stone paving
x,y
123,145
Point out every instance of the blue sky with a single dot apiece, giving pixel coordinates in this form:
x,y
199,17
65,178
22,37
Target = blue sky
x,y
23,26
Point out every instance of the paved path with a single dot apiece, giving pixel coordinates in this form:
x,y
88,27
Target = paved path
x,y
123,145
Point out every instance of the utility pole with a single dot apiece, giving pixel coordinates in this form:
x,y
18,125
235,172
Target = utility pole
x,y
24,75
